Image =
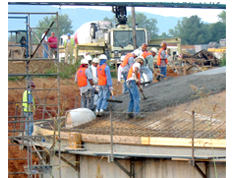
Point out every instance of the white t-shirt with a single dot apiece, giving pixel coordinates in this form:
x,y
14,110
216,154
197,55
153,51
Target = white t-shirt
x,y
45,37
136,64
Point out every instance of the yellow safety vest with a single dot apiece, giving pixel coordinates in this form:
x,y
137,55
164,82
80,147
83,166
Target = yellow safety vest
x,y
72,43
25,105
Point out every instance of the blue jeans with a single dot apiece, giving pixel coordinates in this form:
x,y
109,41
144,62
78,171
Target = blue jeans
x,y
45,55
104,94
125,88
29,116
134,97
163,70
87,99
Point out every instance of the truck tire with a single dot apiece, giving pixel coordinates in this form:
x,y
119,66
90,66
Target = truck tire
x,y
92,30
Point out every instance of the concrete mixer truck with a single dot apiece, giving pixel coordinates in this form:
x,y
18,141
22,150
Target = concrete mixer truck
x,y
102,36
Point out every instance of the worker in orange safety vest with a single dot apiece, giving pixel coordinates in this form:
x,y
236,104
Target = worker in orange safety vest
x,y
162,60
84,80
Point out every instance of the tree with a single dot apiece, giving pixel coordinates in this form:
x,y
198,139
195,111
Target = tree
x,y
141,22
64,25
222,17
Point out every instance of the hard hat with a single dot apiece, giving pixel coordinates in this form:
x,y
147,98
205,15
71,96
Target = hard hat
x,y
163,44
68,34
140,59
84,61
144,45
136,52
154,50
95,60
31,83
122,58
88,57
102,56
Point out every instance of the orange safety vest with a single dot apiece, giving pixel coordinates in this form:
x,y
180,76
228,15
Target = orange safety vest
x,y
126,59
159,58
102,78
130,73
81,77
145,54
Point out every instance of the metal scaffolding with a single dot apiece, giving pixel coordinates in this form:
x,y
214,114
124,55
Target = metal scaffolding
x,y
18,134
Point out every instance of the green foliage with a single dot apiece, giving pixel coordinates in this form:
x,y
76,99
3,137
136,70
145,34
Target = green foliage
x,y
193,31
223,61
64,26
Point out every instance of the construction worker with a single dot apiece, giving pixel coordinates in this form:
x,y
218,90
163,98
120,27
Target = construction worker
x,y
84,80
89,59
69,46
147,74
28,105
94,65
44,41
126,64
133,83
162,60
104,84
52,41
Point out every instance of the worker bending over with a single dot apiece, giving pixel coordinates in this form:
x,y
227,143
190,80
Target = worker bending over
x,y
126,64
162,60
133,82
147,67
104,84
84,80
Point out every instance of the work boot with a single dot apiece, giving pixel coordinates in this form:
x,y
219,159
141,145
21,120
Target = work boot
x,y
101,113
139,116
158,78
96,112
129,115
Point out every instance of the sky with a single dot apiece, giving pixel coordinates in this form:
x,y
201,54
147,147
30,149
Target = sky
x,y
206,15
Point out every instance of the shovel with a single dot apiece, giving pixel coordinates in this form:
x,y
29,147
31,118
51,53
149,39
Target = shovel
x,y
144,98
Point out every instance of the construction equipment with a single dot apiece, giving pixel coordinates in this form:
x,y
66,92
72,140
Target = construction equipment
x,y
101,37
140,89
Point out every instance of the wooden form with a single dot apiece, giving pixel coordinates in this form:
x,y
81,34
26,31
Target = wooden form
x,y
130,140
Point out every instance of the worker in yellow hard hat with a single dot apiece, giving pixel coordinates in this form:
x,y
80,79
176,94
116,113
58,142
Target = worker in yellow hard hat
x,y
162,60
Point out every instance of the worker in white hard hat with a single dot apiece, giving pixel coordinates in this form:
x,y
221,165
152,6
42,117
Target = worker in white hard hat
x,y
84,80
147,68
69,47
133,83
94,65
29,109
104,84
162,60
89,59
126,64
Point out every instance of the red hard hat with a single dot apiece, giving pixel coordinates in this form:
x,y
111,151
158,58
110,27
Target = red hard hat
x,y
31,83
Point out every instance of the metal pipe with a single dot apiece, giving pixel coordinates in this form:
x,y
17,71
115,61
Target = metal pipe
x,y
133,27
192,160
111,136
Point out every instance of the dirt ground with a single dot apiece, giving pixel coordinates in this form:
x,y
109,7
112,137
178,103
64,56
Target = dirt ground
x,y
160,96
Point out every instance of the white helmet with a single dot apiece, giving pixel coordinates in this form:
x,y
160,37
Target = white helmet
x,y
154,50
140,59
136,52
95,60
88,57
84,61
102,56
122,58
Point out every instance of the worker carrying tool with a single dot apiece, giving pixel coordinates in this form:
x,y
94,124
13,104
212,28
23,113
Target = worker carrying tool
x,y
128,61
104,84
133,82
162,60
84,80
147,68
69,46
29,109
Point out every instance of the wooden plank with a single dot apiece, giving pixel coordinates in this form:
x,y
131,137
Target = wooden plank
x,y
184,142
131,140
